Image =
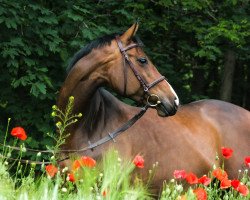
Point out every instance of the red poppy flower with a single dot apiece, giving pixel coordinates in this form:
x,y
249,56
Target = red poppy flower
x,y
235,184
19,132
247,161
204,180
51,170
226,152
87,161
104,193
138,161
191,178
200,193
71,177
225,183
220,174
180,174
76,165
243,190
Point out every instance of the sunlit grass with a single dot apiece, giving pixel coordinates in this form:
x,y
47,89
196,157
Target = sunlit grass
x,y
111,179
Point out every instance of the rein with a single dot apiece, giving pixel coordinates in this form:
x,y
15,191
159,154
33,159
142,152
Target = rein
x,y
114,134
110,136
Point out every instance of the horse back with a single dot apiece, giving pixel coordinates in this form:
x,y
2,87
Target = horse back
x,y
232,126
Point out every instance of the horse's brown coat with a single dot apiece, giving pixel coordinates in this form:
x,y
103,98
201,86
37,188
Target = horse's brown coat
x,y
188,140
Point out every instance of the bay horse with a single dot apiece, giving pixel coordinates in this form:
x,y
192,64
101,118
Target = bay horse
x,y
188,139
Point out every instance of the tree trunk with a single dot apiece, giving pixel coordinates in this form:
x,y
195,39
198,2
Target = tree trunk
x,y
198,81
228,76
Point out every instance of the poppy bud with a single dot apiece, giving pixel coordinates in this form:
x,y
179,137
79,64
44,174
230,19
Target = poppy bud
x,y
54,107
53,114
71,99
59,124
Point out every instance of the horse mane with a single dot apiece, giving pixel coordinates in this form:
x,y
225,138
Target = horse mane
x,y
95,44
103,105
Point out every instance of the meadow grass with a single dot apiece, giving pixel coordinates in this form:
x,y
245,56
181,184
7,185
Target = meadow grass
x,y
110,179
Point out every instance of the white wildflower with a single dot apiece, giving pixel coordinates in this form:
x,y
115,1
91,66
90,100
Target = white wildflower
x,y
23,149
179,188
214,166
65,169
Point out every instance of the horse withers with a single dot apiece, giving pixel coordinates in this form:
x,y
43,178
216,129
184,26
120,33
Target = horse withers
x,y
188,139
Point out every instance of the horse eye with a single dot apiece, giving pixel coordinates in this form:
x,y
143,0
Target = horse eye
x,y
142,60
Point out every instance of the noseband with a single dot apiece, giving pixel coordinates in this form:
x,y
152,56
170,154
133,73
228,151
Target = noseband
x,y
143,83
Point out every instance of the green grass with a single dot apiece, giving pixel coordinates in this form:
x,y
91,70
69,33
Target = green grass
x,y
112,176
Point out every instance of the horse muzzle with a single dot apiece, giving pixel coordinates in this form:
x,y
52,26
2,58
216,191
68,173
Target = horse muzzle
x,y
164,108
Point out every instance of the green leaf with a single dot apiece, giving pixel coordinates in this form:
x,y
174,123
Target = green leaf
x,y
9,52
29,62
41,87
10,23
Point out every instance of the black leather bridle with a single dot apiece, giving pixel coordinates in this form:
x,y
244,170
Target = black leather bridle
x,y
141,80
118,131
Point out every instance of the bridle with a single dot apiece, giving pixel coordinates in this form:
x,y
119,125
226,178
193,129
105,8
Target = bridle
x,y
118,131
141,80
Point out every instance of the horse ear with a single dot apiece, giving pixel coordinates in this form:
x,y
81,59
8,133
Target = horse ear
x,y
129,34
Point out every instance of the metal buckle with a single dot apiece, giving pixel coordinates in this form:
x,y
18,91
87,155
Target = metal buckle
x,y
151,104
111,136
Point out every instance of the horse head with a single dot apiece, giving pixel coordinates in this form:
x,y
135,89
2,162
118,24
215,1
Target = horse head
x,y
132,74
119,62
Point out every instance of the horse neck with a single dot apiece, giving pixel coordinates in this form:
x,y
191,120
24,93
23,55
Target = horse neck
x,y
101,109
81,82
